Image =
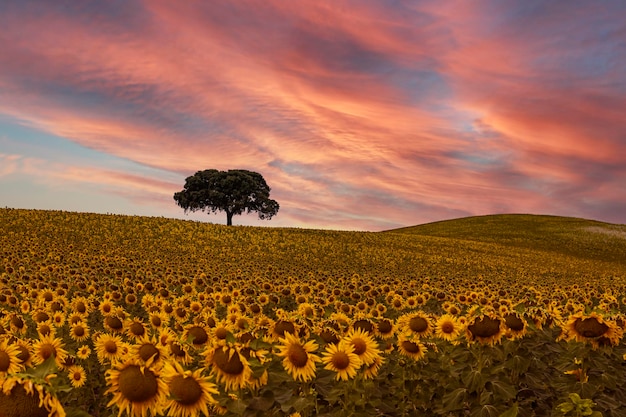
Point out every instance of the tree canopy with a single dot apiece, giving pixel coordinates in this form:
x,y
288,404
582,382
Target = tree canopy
x,y
233,191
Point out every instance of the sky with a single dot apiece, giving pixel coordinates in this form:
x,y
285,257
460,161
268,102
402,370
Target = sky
x,y
360,115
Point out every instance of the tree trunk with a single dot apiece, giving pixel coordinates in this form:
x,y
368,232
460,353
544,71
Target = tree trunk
x,y
229,218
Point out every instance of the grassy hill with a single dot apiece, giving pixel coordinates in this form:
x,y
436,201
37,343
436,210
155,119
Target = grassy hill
x,y
563,236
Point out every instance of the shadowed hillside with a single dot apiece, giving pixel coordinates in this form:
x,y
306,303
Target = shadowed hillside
x,y
579,238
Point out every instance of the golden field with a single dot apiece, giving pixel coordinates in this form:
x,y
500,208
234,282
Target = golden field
x,y
508,315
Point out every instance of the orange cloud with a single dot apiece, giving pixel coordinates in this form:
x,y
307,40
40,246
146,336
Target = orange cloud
x,y
359,115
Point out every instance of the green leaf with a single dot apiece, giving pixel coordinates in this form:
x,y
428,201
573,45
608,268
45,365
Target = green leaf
x,y
47,367
474,381
485,411
511,412
263,402
502,390
237,407
565,407
282,396
230,338
454,400
75,412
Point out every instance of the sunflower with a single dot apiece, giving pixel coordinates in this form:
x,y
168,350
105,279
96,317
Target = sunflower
x,y
81,305
190,391
159,319
79,332
592,328
417,323
282,327
39,316
307,310
134,328
45,329
196,334
77,375
24,355
363,323
299,358
106,307
447,328
149,352
179,352
195,307
340,358
113,323
109,348
10,362
48,346
515,326
371,371
25,306
83,352
486,329
21,396
230,366
136,390
385,328
17,325
364,345
411,347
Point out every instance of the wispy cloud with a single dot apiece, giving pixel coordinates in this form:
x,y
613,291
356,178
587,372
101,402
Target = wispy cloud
x,y
359,114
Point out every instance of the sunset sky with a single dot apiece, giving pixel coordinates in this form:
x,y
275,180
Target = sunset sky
x,y
361,115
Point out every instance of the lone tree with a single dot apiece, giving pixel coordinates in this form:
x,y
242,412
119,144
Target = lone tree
x,y
233,191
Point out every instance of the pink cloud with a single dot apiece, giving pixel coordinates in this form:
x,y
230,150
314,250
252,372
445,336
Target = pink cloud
x,y
355,113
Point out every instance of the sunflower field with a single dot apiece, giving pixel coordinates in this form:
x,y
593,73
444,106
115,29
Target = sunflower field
x,y
493,316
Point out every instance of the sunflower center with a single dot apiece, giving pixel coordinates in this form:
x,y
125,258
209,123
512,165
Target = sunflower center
x,y
284,326
79,331
44,329
297,355
364,325
19,403
485,327
447,327
137,386
176,349
46,350
110,346
5,361
418,324
24,353
340,360
114,322
137,329
590,327
185,390
230,365
513,322
329,336
147,351
384,326
360,346
17,322
198,335
221,333
41,316
410,346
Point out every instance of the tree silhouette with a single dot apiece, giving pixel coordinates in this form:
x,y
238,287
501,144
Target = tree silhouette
x,y
233,191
